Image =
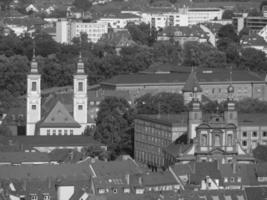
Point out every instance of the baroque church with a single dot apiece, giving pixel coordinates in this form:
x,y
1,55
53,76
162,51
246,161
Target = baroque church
x,y
52,117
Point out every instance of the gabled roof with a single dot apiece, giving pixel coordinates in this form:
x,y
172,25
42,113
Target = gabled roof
x,y
59,117
192,83
204,169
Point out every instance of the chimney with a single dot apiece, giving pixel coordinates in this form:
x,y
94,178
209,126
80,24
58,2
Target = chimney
x,y
140,181
234,167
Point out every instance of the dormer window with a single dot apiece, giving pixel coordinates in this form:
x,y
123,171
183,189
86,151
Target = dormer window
x,y
80,86
34,197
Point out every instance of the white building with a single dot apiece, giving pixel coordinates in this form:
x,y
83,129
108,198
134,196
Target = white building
x,y
67,30
56,119
120,20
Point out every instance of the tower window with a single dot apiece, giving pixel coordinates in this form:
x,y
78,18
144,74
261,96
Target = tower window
x,y
217,140
244,143
229,140
204,141
34,86
80,107
264,134
244,134
254,134
33,107
80,86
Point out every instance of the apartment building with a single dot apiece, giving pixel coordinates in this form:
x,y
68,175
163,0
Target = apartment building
x,y
66,30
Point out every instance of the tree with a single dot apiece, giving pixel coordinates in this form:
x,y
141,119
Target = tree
x,y
253,59
45,45
83,5
254,12
114,125
228,14
162,103
167,52
5,4
250,105
227,31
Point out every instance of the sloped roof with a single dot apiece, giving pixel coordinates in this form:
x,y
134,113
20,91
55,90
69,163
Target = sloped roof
x,y
183,169
160,178
59,117
115,168
20,157
260,152
253,193
253,40
192,83
204,169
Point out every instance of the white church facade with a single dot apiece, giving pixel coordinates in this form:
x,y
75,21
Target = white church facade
x,y
56,119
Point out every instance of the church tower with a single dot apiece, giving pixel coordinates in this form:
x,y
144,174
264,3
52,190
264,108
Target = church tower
x,y
80,95
33,97
191,84
195,115
230,114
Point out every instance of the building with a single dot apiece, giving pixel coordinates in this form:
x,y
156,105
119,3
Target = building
x,y
120,20
55,119
254,41
66,30
183,34
253,24
214,83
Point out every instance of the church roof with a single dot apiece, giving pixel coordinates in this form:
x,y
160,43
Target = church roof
x,y
192,83
59,116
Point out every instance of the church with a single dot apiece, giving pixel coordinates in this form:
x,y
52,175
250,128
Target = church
x,y
52,117
195,135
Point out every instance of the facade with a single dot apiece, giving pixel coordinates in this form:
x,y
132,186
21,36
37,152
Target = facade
x,y
66,30
153,134
253,24
120,20
53,118
214,83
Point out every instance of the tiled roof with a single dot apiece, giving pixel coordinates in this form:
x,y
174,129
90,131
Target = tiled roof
x,y
253,193
115,168
184,31
204,169
20,157
260,153
59,117
192,83
213,27
261,169
45,141
159,179
183,169
169,120
252,119
253,40
41,172
205,76
117,39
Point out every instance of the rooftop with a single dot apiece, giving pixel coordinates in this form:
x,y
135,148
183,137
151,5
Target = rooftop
x,y
23,157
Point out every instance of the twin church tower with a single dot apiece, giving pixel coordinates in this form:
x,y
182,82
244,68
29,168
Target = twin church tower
x,y
58,120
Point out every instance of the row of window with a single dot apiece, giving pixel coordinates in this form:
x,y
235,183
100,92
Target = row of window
x,y
254,134
35,197
152,140
147,147
217,141
149,158
59,132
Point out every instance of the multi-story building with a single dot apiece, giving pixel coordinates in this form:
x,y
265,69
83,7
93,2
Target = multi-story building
x,y
66,30
214,83
253,24
120,20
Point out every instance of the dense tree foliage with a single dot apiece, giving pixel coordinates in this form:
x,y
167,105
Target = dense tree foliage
x,y
162,103
114,125
83,5
228,14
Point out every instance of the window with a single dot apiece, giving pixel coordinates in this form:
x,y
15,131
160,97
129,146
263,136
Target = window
x,y
225,179
33,107
48,132
244,143
239,179
203,141
254,134
54,132
244,134
34,86
46,197
232,179
217,140
80,107
60,132
80,86
229,140
65,132
71,132
264,134
34,197
114,190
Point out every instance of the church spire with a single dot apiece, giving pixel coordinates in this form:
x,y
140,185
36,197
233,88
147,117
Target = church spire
x,y
80,64
34,64
230,89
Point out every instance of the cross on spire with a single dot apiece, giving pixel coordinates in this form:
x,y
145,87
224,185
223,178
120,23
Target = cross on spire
x,y
80,64
34,64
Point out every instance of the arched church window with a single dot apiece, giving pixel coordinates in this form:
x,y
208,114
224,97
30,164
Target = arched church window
x,y
80,86
229,140
203,140
217,140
